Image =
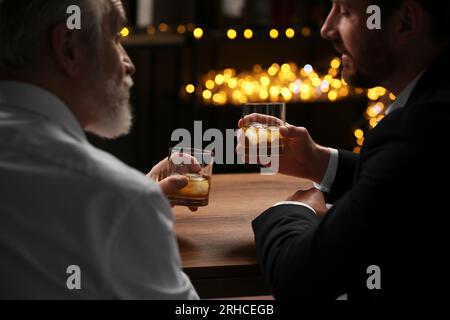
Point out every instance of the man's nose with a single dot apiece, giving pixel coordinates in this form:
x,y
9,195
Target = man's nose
x,y
130,69
329,30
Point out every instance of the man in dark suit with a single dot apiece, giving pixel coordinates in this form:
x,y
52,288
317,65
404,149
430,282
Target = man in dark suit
x,y
387,233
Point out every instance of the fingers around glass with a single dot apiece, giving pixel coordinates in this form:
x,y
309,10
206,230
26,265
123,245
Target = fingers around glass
x,y
196,165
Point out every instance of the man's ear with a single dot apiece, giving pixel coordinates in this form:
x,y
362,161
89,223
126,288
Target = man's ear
x,y
67,48
411,20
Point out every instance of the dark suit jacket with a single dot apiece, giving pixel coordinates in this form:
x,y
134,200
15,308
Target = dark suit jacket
x,y
390,210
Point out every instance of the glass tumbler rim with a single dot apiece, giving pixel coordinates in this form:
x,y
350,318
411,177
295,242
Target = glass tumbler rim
x,y
195,150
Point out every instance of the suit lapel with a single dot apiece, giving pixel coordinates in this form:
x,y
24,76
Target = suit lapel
x,y
424,91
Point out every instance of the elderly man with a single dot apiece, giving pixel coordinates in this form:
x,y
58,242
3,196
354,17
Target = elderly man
x,y
387,234
75,222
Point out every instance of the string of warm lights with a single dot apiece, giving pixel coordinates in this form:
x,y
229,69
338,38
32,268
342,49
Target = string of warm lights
x,y
231,33
288,83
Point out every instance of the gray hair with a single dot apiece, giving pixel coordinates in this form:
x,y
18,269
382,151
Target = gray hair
x,y
25,25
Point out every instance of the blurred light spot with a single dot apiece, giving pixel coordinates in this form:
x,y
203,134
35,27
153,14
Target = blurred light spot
x,y
274,33
207,94
248,34
209,84
308,68
151,30
190,88
231,34
306,32
359,134
332,95
181,29
198,33
290,33
125,32
163,27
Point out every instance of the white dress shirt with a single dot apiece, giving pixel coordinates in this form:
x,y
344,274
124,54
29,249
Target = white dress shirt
x,y
63,203
333,163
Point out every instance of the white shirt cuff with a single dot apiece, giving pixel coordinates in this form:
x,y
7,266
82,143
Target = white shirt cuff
x,y
330,174
297,203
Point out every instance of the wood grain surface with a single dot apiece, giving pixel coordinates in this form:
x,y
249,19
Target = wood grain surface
x,y
217,242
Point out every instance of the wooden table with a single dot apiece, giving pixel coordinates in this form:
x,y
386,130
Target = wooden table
x,y
217,242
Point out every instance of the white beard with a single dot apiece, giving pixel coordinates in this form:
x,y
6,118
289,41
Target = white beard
x,y
114,117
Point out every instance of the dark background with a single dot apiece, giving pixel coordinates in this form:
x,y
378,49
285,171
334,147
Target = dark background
x,y
163,68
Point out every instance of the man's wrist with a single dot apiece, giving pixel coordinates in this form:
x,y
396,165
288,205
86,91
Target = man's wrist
x,y
330,173
321,163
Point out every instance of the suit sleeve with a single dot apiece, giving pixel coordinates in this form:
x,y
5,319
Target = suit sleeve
x,y
344,175
304,257
293,265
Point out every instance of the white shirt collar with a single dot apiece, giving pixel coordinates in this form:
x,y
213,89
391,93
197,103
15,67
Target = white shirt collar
x,y
40,101
404,96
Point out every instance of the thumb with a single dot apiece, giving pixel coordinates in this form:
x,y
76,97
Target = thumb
x,y
293,132
173,183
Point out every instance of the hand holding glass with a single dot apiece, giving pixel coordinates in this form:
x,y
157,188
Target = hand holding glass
x,y
261,124
196,165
